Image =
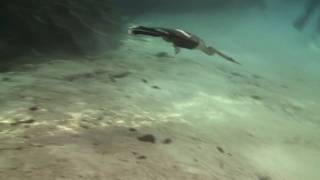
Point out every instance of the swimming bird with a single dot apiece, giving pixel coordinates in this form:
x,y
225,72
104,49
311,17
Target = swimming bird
x,y
180,39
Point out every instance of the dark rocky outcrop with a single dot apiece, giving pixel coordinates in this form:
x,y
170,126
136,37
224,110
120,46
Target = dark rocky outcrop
x,y
57,27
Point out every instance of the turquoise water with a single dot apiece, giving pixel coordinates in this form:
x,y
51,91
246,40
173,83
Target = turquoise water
x,y
142,112
264,40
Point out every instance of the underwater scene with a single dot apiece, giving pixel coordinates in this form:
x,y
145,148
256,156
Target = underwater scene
x,y
160,90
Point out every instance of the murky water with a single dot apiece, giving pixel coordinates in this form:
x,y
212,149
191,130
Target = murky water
x,y
163,106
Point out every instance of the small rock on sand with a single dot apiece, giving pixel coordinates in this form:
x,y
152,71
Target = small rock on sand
x,y
147,138
26,121
142,157
155,87
34,108
220,149
132,129
167,141
163,55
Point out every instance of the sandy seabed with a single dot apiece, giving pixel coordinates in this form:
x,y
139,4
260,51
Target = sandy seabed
x,y
210,120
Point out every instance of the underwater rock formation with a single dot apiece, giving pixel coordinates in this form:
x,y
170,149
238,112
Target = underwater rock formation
x,y
59,27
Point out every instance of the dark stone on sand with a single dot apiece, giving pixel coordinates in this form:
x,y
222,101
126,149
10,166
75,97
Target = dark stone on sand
x,y
120,75
139,156
236,74
18,148
220,149
26,137
256,97
96,143
167,141
114,77
28,121
142,157
6,79
155,87
113,80
84,126
34,108
163,55
89,75
144,80
132,129
147,138
264,178
74,77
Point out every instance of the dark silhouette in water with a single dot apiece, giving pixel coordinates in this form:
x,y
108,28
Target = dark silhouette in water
x,y
60,28
310,8
179,39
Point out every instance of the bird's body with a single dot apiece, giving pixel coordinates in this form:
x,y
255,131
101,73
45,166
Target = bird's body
x,y
179,38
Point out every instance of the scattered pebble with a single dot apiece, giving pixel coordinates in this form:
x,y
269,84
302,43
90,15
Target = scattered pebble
x,y
84,126
114,77
26,137
113,80
128,96
264,178
155,87
120,75
167,141
147,138
144,80
142,157
18,148
6,79
139,156
96,143
163,55
220,149
74,77
132,129
27,121
34,108
256,97
236,74
89,75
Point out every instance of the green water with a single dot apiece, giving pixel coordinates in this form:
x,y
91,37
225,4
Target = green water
x,y
142,112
